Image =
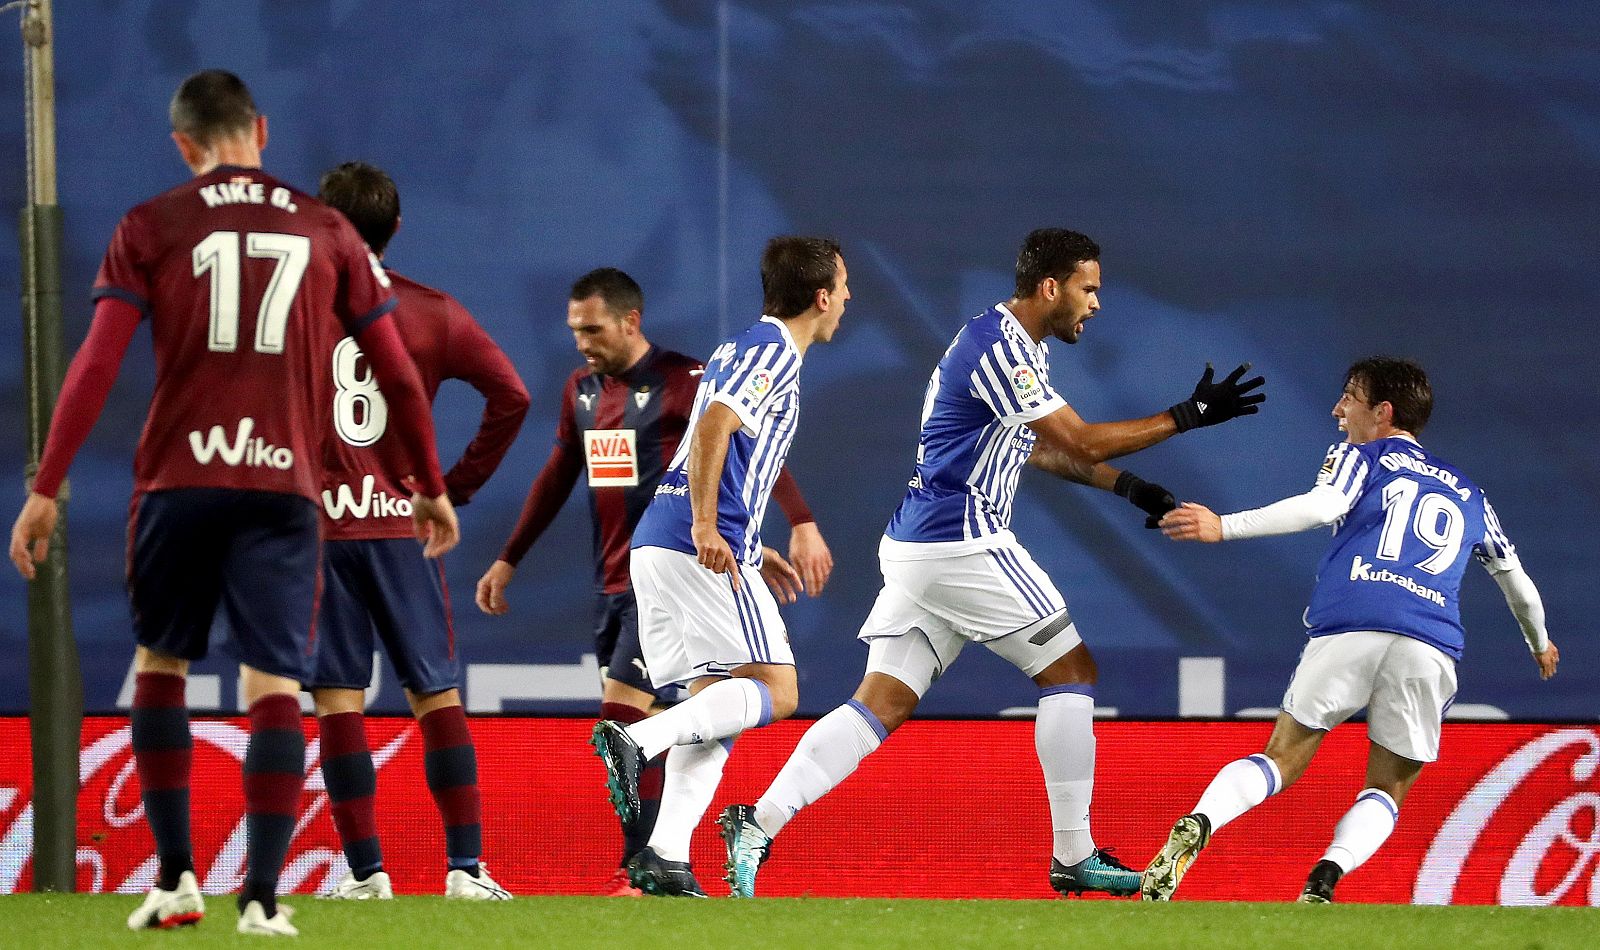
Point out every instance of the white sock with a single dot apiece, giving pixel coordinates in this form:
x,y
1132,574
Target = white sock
x,y
1363,829
827,754
693,774
1063,736
1240,786
720,710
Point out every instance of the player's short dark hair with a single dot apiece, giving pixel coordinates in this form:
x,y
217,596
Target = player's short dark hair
x,y
211,105
1051,252
367,196
1399,382
793,269
620,292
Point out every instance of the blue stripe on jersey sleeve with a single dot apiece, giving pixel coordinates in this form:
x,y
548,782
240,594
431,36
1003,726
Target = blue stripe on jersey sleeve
x,y
355,329
126,296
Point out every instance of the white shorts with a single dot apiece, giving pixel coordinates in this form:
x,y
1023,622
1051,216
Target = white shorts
x,y
929,609
692,623
1406,686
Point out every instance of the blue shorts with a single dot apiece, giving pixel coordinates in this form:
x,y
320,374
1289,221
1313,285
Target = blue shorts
x,y
616,640
252,553
384,590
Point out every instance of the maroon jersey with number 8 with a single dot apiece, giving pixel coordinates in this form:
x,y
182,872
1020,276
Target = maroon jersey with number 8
x,y
238,274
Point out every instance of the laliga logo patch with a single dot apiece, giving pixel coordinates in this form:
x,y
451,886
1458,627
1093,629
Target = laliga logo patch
x,y
760,382
1024,382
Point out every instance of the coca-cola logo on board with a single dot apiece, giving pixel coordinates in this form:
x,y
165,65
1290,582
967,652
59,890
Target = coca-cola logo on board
x,y
1531,820
115,851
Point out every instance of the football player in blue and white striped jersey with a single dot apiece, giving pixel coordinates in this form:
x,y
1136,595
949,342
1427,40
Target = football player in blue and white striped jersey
x,y
706,619
1384,619
954,572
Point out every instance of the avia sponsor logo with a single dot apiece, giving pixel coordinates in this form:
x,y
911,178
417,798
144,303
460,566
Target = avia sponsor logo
x,y
116,851
243,450
1529,829
342,502
1365,571
612,457
1394,461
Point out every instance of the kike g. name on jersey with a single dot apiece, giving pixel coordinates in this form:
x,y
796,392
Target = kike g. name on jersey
x,y
241,278
757,375
1399,552
991,382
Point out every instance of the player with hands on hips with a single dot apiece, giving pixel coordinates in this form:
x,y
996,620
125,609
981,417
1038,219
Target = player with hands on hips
x,y
1384,619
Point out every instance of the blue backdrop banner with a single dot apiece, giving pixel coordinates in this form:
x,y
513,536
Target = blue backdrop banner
x,y
1293,184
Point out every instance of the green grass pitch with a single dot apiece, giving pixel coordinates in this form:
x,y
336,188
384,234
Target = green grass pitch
x,y
32,920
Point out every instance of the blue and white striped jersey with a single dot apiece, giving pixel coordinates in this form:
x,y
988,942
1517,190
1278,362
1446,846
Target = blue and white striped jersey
x,y
1400,550
991,382
757,375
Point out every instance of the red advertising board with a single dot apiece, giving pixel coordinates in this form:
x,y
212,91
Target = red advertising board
x,y
1507,816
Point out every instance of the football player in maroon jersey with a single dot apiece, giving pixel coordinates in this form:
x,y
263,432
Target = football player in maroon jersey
x,y
373,580
622,417
247,284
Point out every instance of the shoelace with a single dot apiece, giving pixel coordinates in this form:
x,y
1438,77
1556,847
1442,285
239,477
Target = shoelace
x,y
1108,857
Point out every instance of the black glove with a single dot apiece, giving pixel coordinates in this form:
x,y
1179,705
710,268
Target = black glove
x,y
1148,497
1218,402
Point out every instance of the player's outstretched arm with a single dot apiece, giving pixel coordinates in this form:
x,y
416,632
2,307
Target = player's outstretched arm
x,y
708,453
1317,508
1148,497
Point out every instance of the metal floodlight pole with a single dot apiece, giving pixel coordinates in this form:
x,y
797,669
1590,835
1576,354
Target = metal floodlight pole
x,y
54,681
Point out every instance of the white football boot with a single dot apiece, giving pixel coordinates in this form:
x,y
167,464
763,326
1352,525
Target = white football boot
x,y
174,908
460,885
254,920
376,887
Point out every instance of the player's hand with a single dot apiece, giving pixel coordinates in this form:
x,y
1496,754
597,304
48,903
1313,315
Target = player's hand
x,y
491,595
1547,660
1192,522
1214,402
30,536
1148,497
712,551
781,576
434,520
810,556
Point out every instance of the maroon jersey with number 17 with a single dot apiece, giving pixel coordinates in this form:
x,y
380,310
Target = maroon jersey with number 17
x,y
365,494
238,274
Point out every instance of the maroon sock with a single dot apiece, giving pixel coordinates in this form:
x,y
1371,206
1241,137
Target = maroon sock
x,y
452,769
351,782
274,775
162,753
